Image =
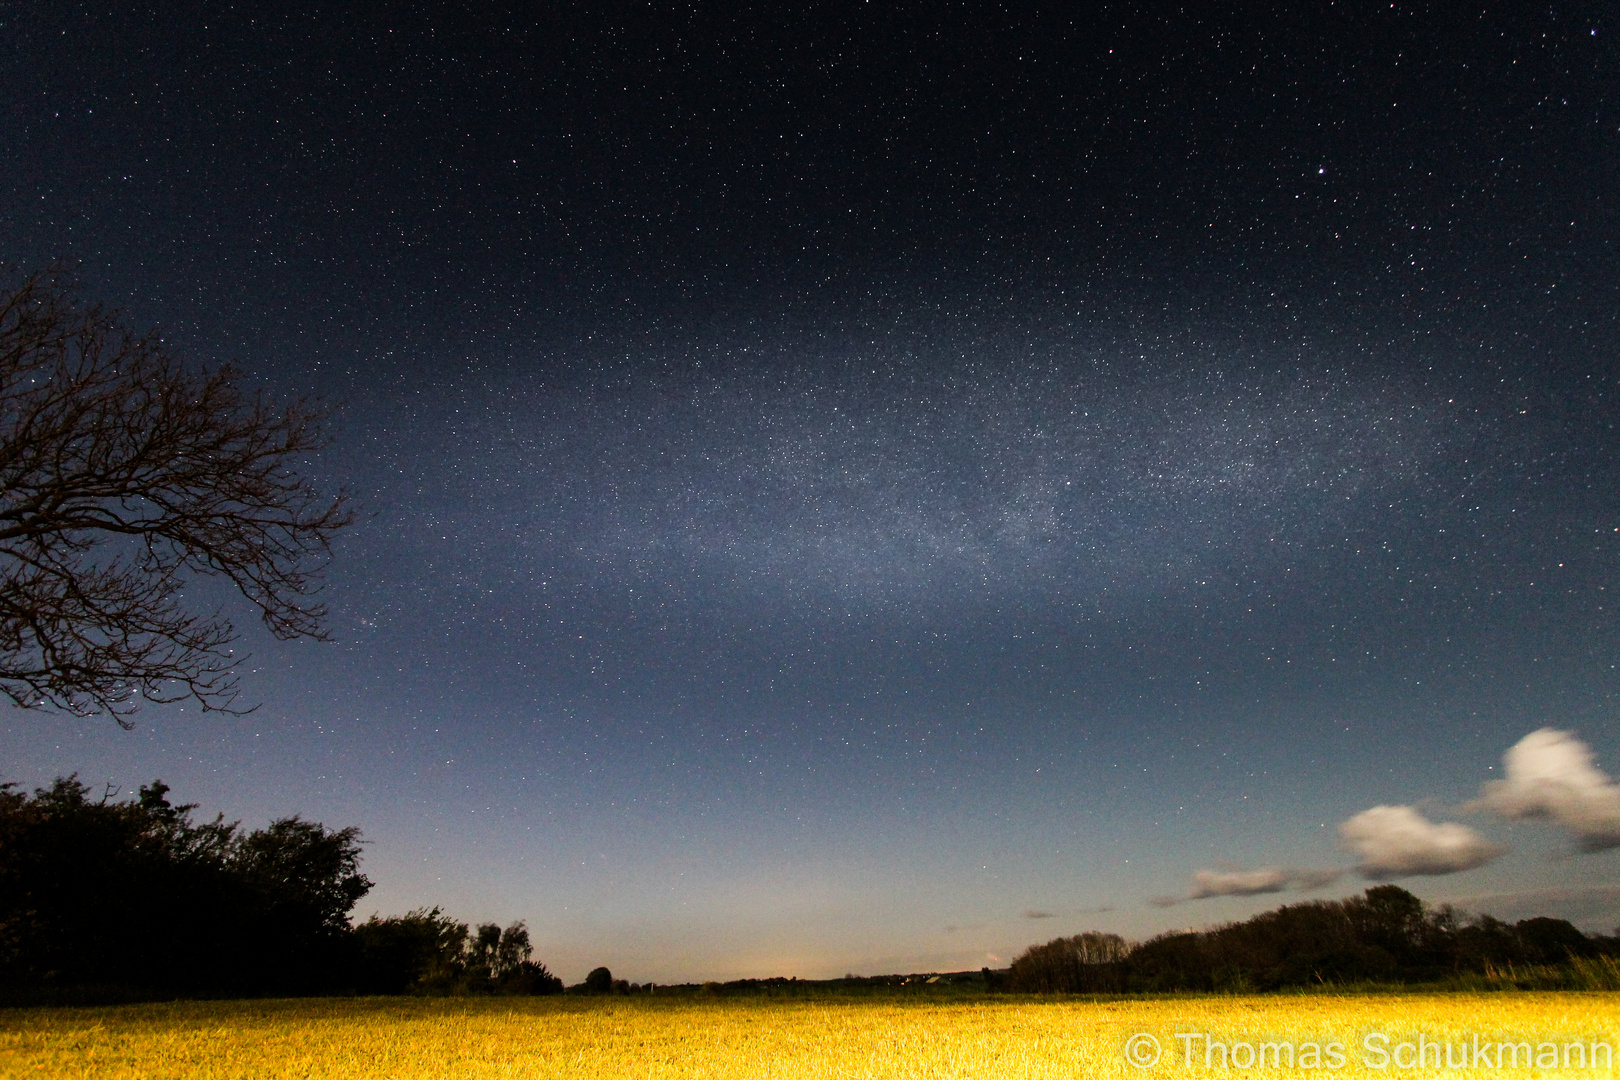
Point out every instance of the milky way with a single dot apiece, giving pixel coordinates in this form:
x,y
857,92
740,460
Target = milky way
x,y
982,485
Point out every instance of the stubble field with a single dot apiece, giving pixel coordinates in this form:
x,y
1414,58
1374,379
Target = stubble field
x,y
986,1038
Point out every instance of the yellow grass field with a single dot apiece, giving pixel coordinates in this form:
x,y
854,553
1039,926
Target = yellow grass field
x,y
626,1038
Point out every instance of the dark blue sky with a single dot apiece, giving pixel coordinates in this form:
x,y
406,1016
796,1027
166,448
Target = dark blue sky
x,y
848,487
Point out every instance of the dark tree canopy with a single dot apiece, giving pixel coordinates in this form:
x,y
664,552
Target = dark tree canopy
x,y
1386,935
106,899
122,470
134,893
427,952
1086,963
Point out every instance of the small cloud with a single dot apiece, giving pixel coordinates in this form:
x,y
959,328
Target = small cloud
x,y
1031,913
1105,909
1397,841
1311,880
1267,879
1551,774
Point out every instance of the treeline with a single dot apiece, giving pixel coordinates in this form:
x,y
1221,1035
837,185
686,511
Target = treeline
x,y
111,898
1386,935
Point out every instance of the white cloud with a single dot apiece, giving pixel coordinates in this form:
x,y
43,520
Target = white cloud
x,y
1550,774
1397,841
1266,879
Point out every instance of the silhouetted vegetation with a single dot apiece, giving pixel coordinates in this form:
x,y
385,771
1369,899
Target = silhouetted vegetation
x,y
599,981
1089,963
97,892
107,899
124,471
427,952
1386,935
103,898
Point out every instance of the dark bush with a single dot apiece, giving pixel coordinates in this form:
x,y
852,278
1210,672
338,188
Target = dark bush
x,y
1089,963
102,899
97,892
416,952
1551,941
1386,935
427,952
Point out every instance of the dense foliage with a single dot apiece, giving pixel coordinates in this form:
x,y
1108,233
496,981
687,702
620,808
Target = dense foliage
x,y
1386,935
97,892
427,952
116,897
1089,963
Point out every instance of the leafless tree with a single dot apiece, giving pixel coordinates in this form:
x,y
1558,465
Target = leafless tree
x,y
123,471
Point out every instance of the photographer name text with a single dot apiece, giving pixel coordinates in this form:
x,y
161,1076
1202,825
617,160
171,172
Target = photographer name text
x,y
1377,1050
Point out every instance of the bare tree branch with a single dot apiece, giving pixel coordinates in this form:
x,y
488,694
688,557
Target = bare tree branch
x,y
122,471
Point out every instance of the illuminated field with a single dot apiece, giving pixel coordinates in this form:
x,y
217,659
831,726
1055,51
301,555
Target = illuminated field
x,y
630,1038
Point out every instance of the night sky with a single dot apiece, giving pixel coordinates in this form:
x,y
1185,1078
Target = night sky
x,y
861,487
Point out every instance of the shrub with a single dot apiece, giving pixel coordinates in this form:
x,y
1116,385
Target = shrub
x,y
427,952
1088,963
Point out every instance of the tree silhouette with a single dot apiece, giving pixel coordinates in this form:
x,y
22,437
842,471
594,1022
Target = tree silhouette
x,y
1086,963
123,470
134,893
427,952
